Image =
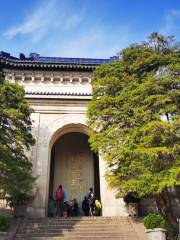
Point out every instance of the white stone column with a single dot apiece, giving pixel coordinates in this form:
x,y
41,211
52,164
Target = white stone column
x,y
40,169
38,208
111,206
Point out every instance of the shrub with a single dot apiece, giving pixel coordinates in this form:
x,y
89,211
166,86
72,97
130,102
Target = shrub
x,y
152,221
4,223
131,197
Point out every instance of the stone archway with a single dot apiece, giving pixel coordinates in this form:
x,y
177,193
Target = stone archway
x,y
51,127
48,134
74,165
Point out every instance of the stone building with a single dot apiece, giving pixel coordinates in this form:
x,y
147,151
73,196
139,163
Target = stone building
x,y
59,89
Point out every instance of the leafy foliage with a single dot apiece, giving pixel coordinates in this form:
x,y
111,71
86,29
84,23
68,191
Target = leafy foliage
x,y
152,221
15,138
134,117
4,223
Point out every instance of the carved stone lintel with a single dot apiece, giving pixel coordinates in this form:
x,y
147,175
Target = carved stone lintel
x,y
57,78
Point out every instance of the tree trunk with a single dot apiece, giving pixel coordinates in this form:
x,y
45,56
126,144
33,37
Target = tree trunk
x,y
177,192
164,206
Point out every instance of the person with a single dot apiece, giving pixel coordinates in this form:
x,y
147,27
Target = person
x,y
71,207
91,200
75,208
85,206
51,207
59,197
97,208
67,208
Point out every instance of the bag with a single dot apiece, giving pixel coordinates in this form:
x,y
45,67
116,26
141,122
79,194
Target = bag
x,y
59,195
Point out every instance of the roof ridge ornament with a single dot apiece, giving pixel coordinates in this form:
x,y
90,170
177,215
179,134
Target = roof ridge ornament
x,y
34,55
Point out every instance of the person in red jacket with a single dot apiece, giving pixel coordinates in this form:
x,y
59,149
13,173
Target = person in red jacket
x,y
59,197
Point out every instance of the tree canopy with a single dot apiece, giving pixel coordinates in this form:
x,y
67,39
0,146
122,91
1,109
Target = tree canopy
x,y
15,139
134,117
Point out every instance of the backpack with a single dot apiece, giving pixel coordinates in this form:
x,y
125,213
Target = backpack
x,y
59,194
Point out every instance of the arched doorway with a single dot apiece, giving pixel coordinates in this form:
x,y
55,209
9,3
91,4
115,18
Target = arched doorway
x,y
73,165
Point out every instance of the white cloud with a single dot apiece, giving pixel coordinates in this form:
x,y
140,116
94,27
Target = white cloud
x,y
172,23
35,23
44,19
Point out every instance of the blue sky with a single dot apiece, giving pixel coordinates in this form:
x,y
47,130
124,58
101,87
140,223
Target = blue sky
x,y
83,28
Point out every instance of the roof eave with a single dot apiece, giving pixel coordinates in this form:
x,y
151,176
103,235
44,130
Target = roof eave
x,y
45,66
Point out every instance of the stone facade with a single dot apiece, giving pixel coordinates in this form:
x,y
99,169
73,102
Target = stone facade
x,y
59,95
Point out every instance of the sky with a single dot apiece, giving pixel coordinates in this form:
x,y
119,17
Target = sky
x,y
83,28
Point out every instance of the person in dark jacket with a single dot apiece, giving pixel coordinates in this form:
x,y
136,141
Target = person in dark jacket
x,y
51,207
75,208
91,199
85,206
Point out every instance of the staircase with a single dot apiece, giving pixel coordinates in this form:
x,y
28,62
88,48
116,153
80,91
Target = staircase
x,y
77,228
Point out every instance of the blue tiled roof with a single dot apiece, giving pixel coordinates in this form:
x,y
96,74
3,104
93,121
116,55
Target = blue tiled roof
x,y
36,58
71,60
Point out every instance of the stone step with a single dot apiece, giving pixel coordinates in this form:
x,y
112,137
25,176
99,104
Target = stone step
x,y
27,228
83,231
75,228
75,223
95,228
82,218
56,220
98,228
129,236
66,225
80,238
77,233
88,219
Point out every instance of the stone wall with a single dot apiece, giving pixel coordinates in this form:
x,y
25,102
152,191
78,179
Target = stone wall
x,y
3,235
148,205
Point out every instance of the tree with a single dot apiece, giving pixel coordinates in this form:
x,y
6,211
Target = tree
x,y
15,138
134,120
